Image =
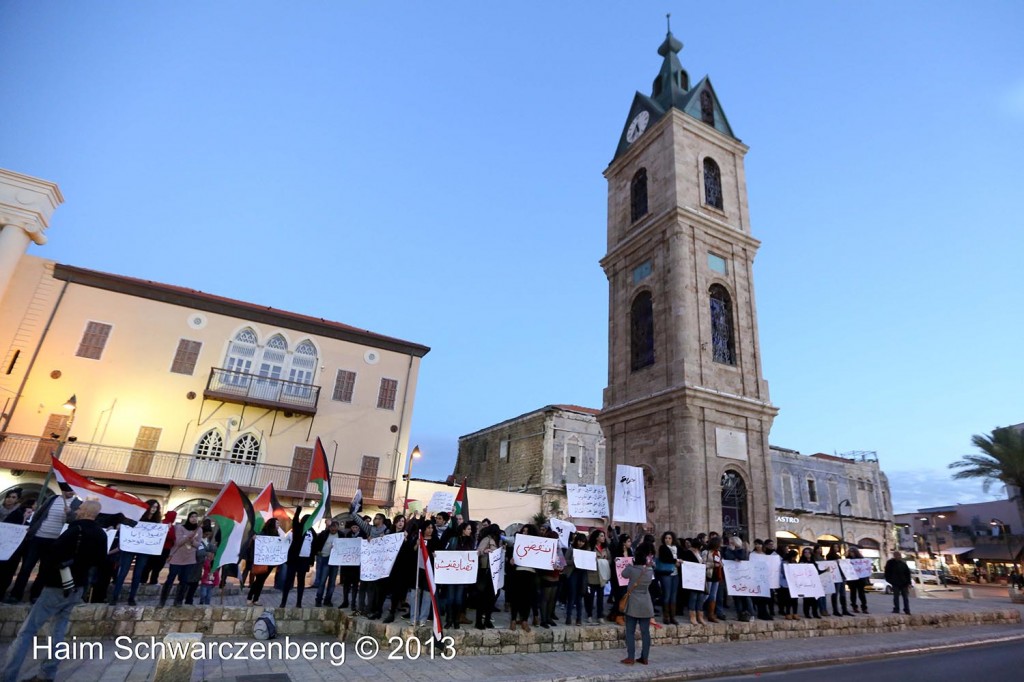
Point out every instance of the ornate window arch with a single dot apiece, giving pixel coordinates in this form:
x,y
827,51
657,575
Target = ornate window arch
x,y
210,445
241,356
638,195
199,505
734,504
707,108
712,183
723,344
303,367
246,450
641,331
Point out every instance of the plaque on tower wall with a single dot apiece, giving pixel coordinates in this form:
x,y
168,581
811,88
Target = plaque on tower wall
x,y
731,444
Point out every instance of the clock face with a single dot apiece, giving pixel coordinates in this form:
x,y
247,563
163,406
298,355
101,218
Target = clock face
x,y
637,126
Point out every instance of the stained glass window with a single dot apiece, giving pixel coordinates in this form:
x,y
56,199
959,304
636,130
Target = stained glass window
x,y
722,343
712,184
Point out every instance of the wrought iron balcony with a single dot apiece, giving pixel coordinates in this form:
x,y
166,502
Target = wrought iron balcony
x,y
252,389
31,453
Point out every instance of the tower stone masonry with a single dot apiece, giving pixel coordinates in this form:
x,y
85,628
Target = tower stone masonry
x,y
686,399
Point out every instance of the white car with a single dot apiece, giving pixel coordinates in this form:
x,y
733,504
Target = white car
x,y
877,583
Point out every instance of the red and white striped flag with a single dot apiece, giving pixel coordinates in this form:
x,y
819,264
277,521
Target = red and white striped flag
x,y
111,501
428,569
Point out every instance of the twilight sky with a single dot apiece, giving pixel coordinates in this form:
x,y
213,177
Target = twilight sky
x,y
432,171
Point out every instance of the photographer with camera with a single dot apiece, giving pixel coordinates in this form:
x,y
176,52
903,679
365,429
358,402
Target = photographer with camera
x,y
64,575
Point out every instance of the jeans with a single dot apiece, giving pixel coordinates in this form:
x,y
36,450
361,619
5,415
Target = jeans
x,y
669,591
693,600
423,606
35,548
577,587
182,572
51,604
453,602
645,636
205,592
326,577
595,593
898,592
712,596
124,565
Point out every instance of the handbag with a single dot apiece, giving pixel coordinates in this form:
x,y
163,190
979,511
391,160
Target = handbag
x,y
260,569
624,602
604,570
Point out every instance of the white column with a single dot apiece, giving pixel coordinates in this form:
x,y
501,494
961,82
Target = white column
x,y
26,204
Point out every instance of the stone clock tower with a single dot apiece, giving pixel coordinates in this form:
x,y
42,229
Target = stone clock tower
x,y
685,399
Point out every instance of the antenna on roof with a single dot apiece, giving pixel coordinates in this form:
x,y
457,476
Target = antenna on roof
x,y
668,21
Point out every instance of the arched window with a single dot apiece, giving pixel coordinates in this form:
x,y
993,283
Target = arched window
x,y
304,362
812,489
210,445
641,331
712,183
199,505
274,356
241,355
707,108
734,505
722,344
638,195
246,450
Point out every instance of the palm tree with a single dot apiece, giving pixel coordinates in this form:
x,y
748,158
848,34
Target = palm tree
x,y
1001,460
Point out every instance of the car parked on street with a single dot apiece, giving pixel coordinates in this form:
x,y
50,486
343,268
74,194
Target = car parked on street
x,y
877,583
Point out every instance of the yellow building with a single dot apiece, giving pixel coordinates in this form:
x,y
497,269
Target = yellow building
x,y
177,391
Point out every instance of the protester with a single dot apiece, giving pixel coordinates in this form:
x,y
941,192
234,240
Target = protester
x,y
769,549
577,579
12,502
524,593
403,571
761,604
349,575
839,596
371,595
8,567
260,572
326,576
711,557
623,547
897,574
787,602
43,531
125,559
810,603
693,598
596,580
547,582
857,585
63,574
639,607
736,551
666,570
155,564
188,536
300,557
490,540
422,610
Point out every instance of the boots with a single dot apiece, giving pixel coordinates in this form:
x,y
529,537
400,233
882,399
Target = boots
x,y
711,612
165,591
693,617
672,615
666,615
700,616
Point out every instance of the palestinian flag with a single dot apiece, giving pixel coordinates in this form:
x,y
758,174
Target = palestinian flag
x,y
428,570
267,507
112,502
232,513
319,473
462,502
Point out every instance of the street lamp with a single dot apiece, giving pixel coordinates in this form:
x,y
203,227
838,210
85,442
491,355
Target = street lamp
x,y
71,404
842,533
415,454
1004,529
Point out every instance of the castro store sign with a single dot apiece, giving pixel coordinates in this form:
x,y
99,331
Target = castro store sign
x,y
787,519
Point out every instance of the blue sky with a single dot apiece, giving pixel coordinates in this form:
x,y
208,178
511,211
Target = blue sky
x,y
432,171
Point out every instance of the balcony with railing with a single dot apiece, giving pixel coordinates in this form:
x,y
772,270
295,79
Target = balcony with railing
x,y
252,389
30,453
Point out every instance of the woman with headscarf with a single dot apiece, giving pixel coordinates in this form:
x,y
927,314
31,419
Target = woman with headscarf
x,y
152,515
182,558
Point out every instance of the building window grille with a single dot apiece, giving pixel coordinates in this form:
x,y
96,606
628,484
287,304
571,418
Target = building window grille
x,y
186,356
734,505
707,108
210,446
94,340
387,394
246,450
722,337
712,184
344,386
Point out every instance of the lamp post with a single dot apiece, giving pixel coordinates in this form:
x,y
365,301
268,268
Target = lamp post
x,y
71,404
842,533
415,454
1003,528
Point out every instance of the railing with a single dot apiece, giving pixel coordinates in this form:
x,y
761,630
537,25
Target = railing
x,y
253,389
172,468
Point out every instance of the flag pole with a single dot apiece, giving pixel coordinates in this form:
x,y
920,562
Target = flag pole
x,y
416,592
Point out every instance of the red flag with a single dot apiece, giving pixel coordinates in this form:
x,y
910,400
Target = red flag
x,y
111,501
267,507
320,473
428,570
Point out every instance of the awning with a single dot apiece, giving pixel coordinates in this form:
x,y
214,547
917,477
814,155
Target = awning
x,y
997,552
957,550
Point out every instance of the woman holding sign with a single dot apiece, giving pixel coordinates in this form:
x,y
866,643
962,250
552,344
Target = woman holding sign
x,y
596,580
639,608
666,568
490,540
259,573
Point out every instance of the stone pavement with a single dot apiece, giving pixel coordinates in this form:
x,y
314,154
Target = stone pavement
x,y
667,661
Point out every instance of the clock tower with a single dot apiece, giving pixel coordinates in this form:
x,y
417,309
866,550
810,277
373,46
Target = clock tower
x,y
686,400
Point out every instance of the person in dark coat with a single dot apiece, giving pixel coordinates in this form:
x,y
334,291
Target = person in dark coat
x,y
300,558
639,607
897,574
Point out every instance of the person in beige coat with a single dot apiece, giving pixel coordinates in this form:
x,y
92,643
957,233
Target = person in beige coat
x,y
639,607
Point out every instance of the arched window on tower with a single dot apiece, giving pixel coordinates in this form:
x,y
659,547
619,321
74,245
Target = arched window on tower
x,y
723,345
641,331
707,108
734,505
638,195
712,183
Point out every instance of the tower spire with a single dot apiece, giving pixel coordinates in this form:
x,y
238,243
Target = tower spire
x,y
672,81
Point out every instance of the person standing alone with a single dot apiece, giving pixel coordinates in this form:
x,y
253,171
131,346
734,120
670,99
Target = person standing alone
x,y
897,574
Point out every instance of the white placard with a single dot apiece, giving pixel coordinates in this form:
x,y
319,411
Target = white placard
x,y
849,572
111,534
803,580
694,575
11,536
564,529
863,567
630,499
144,538
827,585
377,556
345,552
497,560
833,569
772,568
584,559
534,552
587,501
455,568
620,564
746,578
441,501
269,551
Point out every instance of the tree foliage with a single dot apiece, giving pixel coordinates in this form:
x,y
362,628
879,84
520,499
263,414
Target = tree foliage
x,y
1001,460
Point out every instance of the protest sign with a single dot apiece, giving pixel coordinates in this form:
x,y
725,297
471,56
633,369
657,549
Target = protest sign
x,y
345,552
534,552
746,578
378,555
497,560
111,534
269,551
772,567
584,559
833,568
630,499
587,501
847,569
803,580
455,568
564,529
144,538
862,567
827,585
441,501
620,563
694,575
11,535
